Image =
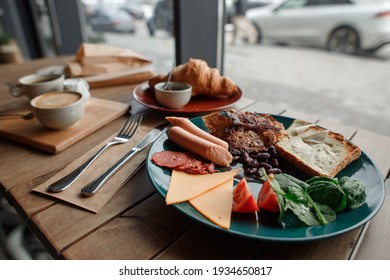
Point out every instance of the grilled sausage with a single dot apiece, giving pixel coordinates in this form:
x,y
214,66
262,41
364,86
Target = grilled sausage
x,y
186,124
200,146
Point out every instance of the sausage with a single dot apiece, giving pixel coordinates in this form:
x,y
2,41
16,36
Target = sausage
x,y
186,124
209,150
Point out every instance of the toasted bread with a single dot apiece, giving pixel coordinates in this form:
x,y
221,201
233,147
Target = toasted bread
x,y
315,156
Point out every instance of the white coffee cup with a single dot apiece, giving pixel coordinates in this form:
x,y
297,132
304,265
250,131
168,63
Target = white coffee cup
x,y
36,84
58,109
79,85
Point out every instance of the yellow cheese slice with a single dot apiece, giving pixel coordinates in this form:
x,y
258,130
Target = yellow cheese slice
x,y
184,186
216,204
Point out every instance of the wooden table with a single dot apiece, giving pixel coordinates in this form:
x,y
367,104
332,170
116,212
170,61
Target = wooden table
x,y
136,223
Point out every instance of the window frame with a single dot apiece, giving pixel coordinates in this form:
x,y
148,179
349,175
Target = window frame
x,y
208,16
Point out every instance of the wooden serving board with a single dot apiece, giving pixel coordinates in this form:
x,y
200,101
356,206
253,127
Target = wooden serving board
x,y
98,112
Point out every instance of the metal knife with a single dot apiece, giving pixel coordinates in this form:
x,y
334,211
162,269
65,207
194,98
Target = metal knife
x,y
95,185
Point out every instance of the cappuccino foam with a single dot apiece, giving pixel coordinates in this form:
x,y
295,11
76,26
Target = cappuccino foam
x,y
57,99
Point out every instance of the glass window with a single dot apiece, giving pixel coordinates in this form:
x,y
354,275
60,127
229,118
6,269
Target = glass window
x,y
293,4
299,61
139,25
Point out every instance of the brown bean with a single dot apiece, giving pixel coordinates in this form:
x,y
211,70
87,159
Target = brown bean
x,y
253,163
265,165
245,158
272,152
274,171
263,156
274,162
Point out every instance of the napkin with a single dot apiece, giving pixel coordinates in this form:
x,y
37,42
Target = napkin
x,y
103,65
95,203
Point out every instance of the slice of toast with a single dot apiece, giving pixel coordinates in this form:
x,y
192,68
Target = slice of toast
x,y
318,157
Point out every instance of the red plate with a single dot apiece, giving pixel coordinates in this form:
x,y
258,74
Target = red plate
x,y
198,104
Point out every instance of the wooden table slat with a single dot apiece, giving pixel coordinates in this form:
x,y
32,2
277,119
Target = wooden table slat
x,y
140,233
219,246
300,116
62,230
374,244
264,108
377,147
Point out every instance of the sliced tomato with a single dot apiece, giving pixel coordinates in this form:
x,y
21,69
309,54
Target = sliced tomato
x,y
243,200
268,199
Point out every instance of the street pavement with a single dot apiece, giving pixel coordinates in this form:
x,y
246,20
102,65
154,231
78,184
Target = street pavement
x,y
350,89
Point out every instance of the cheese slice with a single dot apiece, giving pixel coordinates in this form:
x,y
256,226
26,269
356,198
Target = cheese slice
x,y
316,138
216,204
301,129
184,186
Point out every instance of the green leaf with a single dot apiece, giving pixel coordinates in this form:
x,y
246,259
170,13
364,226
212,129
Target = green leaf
x,y
296,196
327,192
303,213
293,191
279,193
355,192
328,214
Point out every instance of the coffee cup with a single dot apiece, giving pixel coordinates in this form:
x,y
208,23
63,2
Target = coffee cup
x,y
79,85
58,109
36,84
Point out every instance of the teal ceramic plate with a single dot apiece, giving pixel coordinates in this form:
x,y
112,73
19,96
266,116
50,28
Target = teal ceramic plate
x,y
248,225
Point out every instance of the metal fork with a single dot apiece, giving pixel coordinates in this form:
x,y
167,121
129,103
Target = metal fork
x,y
123,136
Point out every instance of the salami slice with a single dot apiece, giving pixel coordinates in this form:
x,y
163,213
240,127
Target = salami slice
x,y
197,166
170,159
183,162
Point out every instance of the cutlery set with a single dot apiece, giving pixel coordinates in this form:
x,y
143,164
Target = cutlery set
x,y
124,135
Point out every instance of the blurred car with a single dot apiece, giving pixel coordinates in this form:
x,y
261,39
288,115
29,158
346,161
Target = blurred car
x,y
111,20
133,10
162,18
250,4
347,26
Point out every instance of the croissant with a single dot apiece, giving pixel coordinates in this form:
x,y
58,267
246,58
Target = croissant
x,y
203,79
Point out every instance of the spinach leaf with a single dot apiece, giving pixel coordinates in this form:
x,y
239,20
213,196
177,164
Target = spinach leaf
x,y
355,192
293,191
303,212
279,193
316,200
292,179
317,209
309,215
327,213
299,201
327,192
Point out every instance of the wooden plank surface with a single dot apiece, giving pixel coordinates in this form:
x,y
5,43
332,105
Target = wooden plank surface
x,y
136,223
374,244
61,230
140,233
98,113
24,167
60,235
377,147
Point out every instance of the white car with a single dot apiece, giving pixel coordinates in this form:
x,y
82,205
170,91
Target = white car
x,y
339,25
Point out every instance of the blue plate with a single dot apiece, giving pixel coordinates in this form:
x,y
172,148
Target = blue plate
x,y
249,225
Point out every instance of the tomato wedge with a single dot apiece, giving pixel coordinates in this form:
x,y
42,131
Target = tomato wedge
x,y
268,199
243,200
